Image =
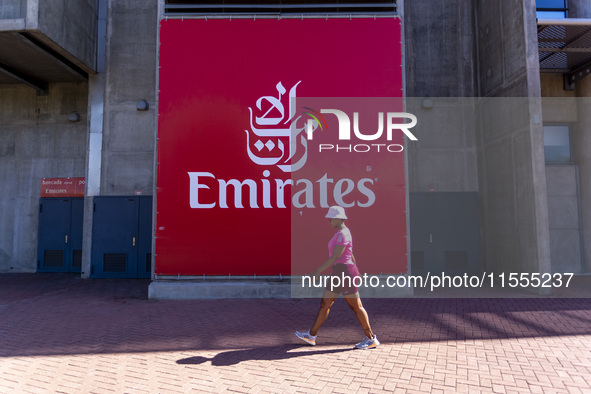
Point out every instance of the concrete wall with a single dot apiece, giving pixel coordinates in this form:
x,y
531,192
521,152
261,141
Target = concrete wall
x,y
440,62
579,9
574,107
563,214
444,157
13,9
511,162
70,27
580,138
440,48
560,107
36,141
129,135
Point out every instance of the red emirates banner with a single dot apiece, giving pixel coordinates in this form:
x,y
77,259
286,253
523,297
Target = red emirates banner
x,y
264,124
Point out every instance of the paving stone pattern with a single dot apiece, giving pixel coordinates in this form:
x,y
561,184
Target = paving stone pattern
x,y
60,333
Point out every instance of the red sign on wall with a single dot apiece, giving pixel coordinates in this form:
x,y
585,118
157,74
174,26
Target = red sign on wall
x,y
253,144
62,187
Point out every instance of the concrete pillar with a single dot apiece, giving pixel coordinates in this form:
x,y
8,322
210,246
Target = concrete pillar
x,y
510,139
122,139
581,138
96,99
443,65
581,141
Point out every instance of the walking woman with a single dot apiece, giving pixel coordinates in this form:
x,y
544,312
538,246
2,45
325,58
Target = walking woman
x,y
341,259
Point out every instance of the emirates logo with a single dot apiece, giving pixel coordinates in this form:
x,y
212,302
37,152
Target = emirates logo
x,y
276,136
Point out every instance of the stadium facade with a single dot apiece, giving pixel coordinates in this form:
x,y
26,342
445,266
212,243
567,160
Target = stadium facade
x,y
96,96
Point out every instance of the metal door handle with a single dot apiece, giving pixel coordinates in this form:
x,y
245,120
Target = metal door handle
x,y
66,239
133,241
430,238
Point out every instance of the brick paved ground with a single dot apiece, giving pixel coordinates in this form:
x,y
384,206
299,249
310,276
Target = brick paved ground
x,y
59,333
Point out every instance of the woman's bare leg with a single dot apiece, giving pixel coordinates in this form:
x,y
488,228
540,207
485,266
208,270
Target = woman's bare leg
x,y
355,304
327,301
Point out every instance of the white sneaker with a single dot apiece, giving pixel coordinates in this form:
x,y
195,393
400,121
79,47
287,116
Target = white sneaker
x,y
367,343
306,337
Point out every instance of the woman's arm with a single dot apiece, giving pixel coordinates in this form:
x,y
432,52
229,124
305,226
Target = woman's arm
x,y
336,253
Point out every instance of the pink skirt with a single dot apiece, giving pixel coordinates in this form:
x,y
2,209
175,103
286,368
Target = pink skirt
x,y
346,273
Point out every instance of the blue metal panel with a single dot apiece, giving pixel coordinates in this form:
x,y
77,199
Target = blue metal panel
x,y
421,233
145,238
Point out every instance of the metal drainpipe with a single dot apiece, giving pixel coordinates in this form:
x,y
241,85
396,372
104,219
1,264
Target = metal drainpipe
x,y
96,98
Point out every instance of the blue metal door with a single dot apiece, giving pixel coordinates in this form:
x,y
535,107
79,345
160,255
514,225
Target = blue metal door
x,y
114,237
75,239
122,237
457,233
60,234
422,255
445,233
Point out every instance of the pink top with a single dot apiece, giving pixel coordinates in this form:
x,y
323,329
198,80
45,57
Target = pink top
x,y
342,237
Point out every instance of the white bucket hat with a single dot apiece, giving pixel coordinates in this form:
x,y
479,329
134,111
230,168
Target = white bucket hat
x,y
336,212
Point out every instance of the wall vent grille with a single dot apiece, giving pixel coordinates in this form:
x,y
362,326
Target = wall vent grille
x,y
53,258
115,262
276,8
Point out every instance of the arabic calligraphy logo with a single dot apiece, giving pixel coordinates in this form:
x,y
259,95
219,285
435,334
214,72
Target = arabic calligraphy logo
x,y
274,129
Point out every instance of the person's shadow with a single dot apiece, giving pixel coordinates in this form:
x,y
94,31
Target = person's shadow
x,y
233,357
